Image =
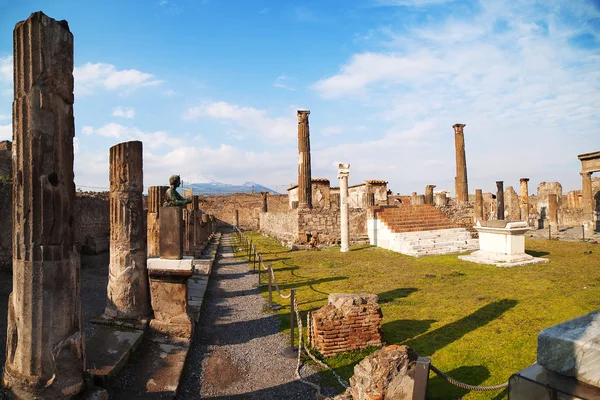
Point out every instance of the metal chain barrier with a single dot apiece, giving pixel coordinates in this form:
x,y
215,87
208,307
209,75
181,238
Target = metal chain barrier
x,y
466,385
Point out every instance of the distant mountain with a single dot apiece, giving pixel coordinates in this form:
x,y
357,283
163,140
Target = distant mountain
x,y
203,185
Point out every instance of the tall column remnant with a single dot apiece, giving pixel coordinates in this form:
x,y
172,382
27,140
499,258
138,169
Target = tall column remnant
x,y
553,209
429,194
44,349
156,198
304,176
264,201
127,291
587,201
460,181
500,200
478,205
343,175
524,199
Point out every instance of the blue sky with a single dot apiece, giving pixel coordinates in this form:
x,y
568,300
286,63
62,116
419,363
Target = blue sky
x,y
212,87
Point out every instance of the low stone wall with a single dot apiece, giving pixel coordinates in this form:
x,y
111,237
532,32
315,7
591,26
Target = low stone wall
x,y
325,222
462,214
349,322
282,225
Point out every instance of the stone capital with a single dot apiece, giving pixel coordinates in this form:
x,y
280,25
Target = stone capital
x,y
343,171
458,128
586,174
303,115
524,180
499,183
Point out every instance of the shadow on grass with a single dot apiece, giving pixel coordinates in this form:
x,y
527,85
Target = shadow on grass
x,y
391,295
296,285
439,388
536,253
435,340
403,329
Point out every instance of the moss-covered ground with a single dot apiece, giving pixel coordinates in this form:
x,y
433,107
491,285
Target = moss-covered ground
x,y
477,323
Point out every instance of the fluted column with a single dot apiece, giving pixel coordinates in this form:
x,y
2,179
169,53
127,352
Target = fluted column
x,y
429,194
343,175
460,181
524,199
44,344
304,176
500,200
127,291
478,205
586,198
156,198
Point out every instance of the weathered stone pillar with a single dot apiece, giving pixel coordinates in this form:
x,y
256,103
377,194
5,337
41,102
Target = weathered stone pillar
x,y
429,194
524,199
156,198
500,200
417,199
460,181
236,219
553,209
441,199
512,207
44,343
478,205
343,175
304,176
127,291
586,199
264,201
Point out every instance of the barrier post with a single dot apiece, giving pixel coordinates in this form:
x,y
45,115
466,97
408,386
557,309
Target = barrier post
x,y
291,351
421,378
270,285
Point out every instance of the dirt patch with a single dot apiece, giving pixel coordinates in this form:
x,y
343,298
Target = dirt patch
x,y
220,370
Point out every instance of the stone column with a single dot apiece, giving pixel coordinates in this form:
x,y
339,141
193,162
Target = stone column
x,y
44,343
553,209
264,201
478,205
156,197
441,199
524,199
500,200
127,291
343,175
304,176
586,199
429,194
460,181
236,219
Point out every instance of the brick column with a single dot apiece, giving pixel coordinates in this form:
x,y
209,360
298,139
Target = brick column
x,y
553,210
460,181
478,205
156,198
587,201
236,218
304,176
500,200
524,199
127,291
264,201
343,175
44,343
429,194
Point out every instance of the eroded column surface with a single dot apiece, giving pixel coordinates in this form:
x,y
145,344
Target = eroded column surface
x,y
553,209
236,219
343,175
586,199
429,194
460,181
156,198
478,205
304,175
512,206
500,200
44,349
127,291
264,201
524,199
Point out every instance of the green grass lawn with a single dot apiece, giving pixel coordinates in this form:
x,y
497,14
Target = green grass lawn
x,y
478,323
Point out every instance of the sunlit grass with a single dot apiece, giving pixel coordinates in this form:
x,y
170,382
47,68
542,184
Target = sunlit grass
x,y
476,322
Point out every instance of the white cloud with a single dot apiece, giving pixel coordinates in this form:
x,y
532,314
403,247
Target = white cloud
x,y
123,112
153,140
75,145
6,132
3,117
6,69
90,77
169,92
280,82
248,119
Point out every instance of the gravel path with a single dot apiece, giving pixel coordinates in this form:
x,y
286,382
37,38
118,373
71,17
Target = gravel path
x,y
236,349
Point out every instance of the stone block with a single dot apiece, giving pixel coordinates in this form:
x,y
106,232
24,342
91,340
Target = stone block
x,y
572,348
171,233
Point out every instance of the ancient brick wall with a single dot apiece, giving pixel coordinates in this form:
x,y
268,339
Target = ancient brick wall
x,y
249,206
325,222
462,214
348,322
5,161
282,225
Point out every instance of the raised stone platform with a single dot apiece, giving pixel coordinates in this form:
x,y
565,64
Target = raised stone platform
x,y
572,348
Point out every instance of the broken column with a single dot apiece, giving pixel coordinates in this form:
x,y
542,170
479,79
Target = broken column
x,y
553,210
304,176
429,194
44,349
511,201
264,201
524,199
236,219
586,199
500,200
460,181
343,175
478,205
127,291
156,197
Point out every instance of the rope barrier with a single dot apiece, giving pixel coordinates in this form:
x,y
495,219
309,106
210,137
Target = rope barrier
x,y
466,386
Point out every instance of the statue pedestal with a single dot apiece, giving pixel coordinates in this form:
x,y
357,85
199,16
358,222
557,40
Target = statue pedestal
x,y
171,233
